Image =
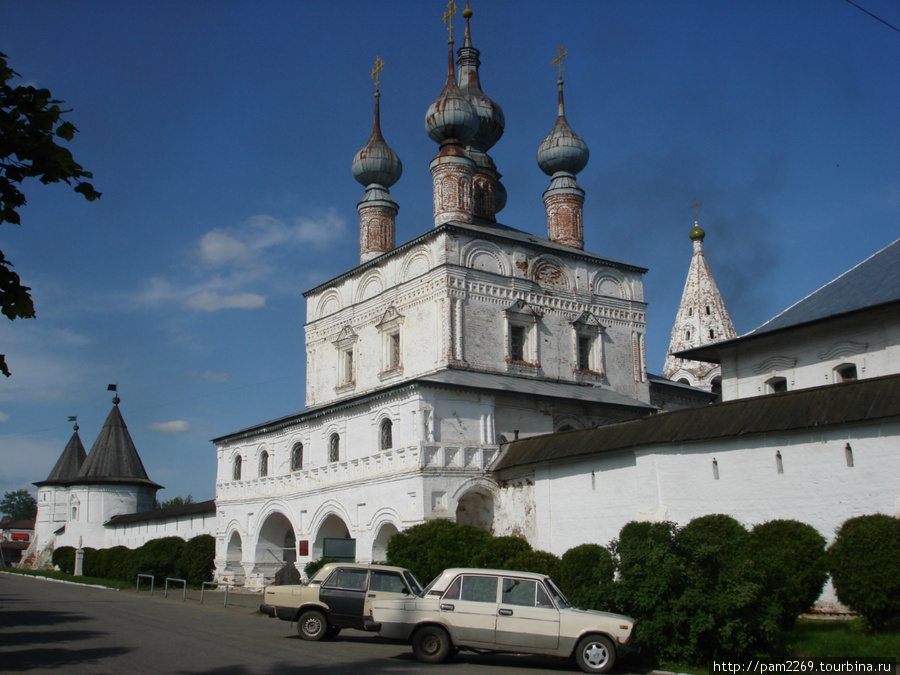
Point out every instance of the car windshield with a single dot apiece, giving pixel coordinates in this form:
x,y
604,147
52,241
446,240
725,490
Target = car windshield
x,y
557,594
427,589
413,583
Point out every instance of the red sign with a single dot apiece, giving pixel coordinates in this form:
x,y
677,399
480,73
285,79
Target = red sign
x,y
303,547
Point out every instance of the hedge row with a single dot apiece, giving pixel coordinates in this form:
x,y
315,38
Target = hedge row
x,y
192,560
710,589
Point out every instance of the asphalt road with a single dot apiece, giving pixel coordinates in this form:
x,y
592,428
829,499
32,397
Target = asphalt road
x,y
48,627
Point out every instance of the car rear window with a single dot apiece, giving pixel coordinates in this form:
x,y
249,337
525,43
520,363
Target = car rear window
x,y
347,579
474,588
386,582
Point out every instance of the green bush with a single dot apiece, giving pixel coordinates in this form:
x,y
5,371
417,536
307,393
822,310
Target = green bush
x,y
158,557
92,563
586,575
796,569
64,559
498,553
431,547
864,561
539,562
197,560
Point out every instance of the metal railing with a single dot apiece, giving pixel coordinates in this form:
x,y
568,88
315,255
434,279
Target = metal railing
x,y
213,583
145,576
183,586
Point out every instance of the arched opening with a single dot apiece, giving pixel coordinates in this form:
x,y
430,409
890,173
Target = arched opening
x,y
234,552
716,387
379,546
476,507
275,550
387,434
297,457
334,448
333,540
236,468
263,464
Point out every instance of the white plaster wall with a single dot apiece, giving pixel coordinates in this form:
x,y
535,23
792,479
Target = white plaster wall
x,y
807,356
135,535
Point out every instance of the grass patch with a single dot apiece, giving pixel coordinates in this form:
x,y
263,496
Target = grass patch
x,y
849,639
62,576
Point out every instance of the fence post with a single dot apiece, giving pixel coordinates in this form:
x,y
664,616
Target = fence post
x,y
146,576
184,586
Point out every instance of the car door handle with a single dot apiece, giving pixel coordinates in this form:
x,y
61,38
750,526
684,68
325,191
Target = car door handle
x,y
447,607
506,612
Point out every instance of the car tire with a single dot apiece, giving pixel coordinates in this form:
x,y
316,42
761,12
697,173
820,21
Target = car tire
x,y
332,632
432,644
595,654
312,625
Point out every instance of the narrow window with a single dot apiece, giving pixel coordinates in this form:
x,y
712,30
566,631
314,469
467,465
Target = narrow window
x,y
264,464
715,467
334,448
394,350
584,352
236,469
707,309
687,335
848,455
347,366
712,334
516,343
387,434
779,464
690,311
297,457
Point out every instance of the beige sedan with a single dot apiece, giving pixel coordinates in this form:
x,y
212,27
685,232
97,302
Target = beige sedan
x,y
503,611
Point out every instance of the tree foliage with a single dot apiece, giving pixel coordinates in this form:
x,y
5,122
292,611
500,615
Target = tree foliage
x,y
864,560
19,505
433,546
31,122
175,501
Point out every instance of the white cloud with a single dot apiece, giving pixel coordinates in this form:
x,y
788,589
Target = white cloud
x,y
173,427
218,247
4,417
207,301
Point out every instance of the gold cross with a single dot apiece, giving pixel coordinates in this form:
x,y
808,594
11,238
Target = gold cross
x,y
696,205
561,55
448,17
376,71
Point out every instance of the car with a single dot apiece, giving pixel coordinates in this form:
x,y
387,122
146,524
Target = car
x,y
338,596
502,611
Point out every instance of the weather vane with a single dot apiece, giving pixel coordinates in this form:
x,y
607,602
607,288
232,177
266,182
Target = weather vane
x,y
376,71
696,205
448,17
557,62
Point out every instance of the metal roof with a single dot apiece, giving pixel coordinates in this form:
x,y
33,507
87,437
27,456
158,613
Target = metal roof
x,y
69,463
846,403
197,509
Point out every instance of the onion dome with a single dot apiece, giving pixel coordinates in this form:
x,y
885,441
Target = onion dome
x,y
697,233
563,149
491,121
451,116
376,163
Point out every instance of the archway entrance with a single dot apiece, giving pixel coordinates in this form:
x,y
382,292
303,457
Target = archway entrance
x,y
476,507
333,540
275,550
379,546
234,553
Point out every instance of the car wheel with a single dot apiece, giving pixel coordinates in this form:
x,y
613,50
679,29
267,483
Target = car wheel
x,y
332,632
595,654
312,625
431,644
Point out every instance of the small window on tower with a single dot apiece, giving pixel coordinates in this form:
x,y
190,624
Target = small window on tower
x,y
712,334
845,373
297,457
687,335
517,337
707,309
236,468
776,385
387,434
264,464
334,448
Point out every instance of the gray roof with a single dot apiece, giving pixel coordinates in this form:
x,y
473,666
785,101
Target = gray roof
x,y
113,457
69,463
857,401
206,508
873,282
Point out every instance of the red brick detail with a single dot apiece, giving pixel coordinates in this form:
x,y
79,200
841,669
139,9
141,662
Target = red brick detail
x,y
565,225
376,232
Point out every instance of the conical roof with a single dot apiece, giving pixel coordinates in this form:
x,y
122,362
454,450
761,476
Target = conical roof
x,y
562,149
69,463
376,163
113,457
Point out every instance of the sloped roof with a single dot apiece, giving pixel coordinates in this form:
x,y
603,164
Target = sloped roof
x,y
113,457
69,463
846,403
873,282
197,509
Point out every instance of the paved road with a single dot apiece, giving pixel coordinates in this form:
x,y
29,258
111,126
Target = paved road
x,y
48,627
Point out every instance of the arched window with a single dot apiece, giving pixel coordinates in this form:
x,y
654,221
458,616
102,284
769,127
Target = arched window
x,y
264,464
236,469
387,434
334,448
297,457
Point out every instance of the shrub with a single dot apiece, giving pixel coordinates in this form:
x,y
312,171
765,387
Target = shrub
x,y
586,576
64,559
197,559
793,554
431,547
158,557
864,561
497,553
314,566
92,563
539,562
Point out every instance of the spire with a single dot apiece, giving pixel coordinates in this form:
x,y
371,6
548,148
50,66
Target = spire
x,y
489,195
113,457
561,155
701,319
452,122
69,463
377,168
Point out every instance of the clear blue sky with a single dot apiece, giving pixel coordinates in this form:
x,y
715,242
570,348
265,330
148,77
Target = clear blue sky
x,y
221,135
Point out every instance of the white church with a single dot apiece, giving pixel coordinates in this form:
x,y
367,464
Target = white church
x,y
498,378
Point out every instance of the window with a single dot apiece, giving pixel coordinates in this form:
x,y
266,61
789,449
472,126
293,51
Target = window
x,y
776,384
584,352
346,366
712,334
687,335
473,588
334,448
346,346
393,360
387,435
521,335
347,579
236,468
707,310
716,387
391,353
297,457
524,592
264,464
845,373
386,582
517,343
